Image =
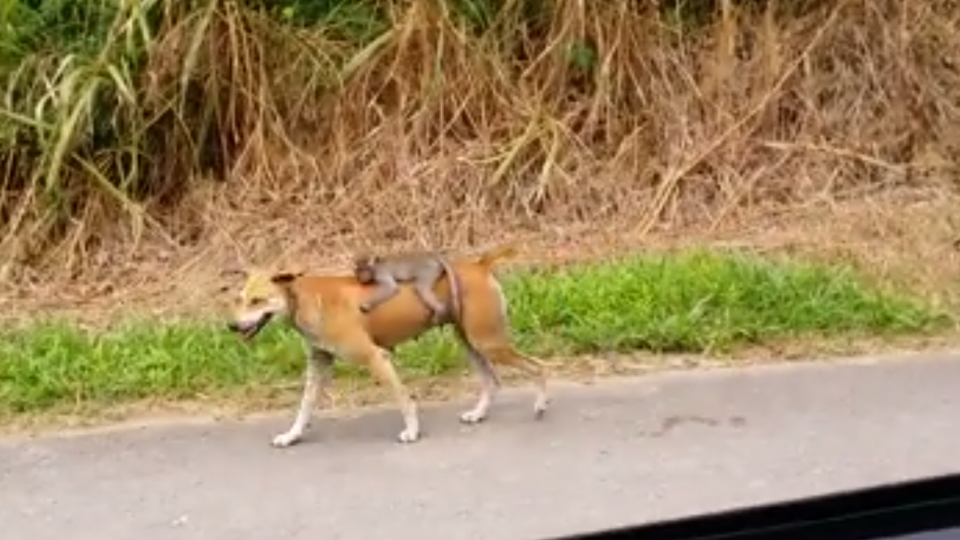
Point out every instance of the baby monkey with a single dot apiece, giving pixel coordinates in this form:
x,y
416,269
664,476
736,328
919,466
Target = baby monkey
x,y
421,268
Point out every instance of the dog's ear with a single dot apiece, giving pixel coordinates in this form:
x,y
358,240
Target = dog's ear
x,y
285,277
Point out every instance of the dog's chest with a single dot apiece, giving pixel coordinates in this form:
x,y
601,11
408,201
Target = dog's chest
x,y
309,326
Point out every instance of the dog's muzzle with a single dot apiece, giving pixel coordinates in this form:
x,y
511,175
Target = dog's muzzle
x,y
249,329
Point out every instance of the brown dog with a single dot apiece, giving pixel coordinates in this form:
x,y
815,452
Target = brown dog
x,y
325,311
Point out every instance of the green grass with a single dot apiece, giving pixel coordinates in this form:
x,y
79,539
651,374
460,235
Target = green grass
x,y
695,302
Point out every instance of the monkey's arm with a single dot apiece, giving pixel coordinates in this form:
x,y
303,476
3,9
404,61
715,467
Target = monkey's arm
x,y
386,289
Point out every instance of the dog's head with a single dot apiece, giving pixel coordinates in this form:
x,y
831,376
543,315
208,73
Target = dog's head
x,y
261,299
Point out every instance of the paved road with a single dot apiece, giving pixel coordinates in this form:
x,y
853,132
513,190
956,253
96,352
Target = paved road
x,y
612,454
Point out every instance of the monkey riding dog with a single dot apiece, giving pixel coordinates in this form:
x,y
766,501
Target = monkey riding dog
x,y
325,311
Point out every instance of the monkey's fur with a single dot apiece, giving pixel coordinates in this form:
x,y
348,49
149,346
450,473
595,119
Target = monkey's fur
x,y
423,269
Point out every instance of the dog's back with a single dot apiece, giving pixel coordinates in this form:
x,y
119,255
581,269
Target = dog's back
x,y
405,316
326,310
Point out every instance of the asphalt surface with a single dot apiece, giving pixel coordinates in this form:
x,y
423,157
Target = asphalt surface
x,y
612,454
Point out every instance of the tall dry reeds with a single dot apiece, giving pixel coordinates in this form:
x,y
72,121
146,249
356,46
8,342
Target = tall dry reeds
x,y
429,117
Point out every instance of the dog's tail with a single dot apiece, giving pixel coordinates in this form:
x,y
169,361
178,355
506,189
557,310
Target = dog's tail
x,y
489,257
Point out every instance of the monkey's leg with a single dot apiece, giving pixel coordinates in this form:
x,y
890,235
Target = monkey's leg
x,y
423,286
386,289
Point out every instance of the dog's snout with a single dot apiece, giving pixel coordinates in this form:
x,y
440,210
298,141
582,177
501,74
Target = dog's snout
x,y
233,326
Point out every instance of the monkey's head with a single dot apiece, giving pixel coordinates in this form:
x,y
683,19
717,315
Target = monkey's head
x,y
363,267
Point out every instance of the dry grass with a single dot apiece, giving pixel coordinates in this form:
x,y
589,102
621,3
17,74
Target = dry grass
x,y
198,136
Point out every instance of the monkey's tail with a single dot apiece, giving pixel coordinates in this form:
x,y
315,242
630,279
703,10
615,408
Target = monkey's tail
x,y
491,256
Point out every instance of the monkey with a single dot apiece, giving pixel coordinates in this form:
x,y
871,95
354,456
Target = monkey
x,y
422,268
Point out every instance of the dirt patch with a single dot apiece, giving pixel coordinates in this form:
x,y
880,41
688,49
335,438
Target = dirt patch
x,y
902,238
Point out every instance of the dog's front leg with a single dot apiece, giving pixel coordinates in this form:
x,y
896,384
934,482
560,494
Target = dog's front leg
x,y
317,377
381,365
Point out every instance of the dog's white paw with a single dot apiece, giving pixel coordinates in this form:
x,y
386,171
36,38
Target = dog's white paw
x,y
284,440
540,407
408,436
473,416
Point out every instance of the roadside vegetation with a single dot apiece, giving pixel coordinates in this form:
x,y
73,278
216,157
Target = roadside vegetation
x,y
179,123
696,302
144,143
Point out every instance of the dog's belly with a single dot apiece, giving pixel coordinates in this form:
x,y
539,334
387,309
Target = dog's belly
x,y
390,325
391,337
403,317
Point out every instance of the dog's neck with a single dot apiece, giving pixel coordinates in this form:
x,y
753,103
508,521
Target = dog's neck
x,y
304,317
291,300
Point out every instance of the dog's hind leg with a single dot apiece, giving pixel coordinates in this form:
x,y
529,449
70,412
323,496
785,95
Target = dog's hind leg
x,y
489,385
317,377
506,355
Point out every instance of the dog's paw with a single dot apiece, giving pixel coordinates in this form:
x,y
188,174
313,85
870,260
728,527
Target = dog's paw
x,y
473,416
284,440
408,436
540,408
